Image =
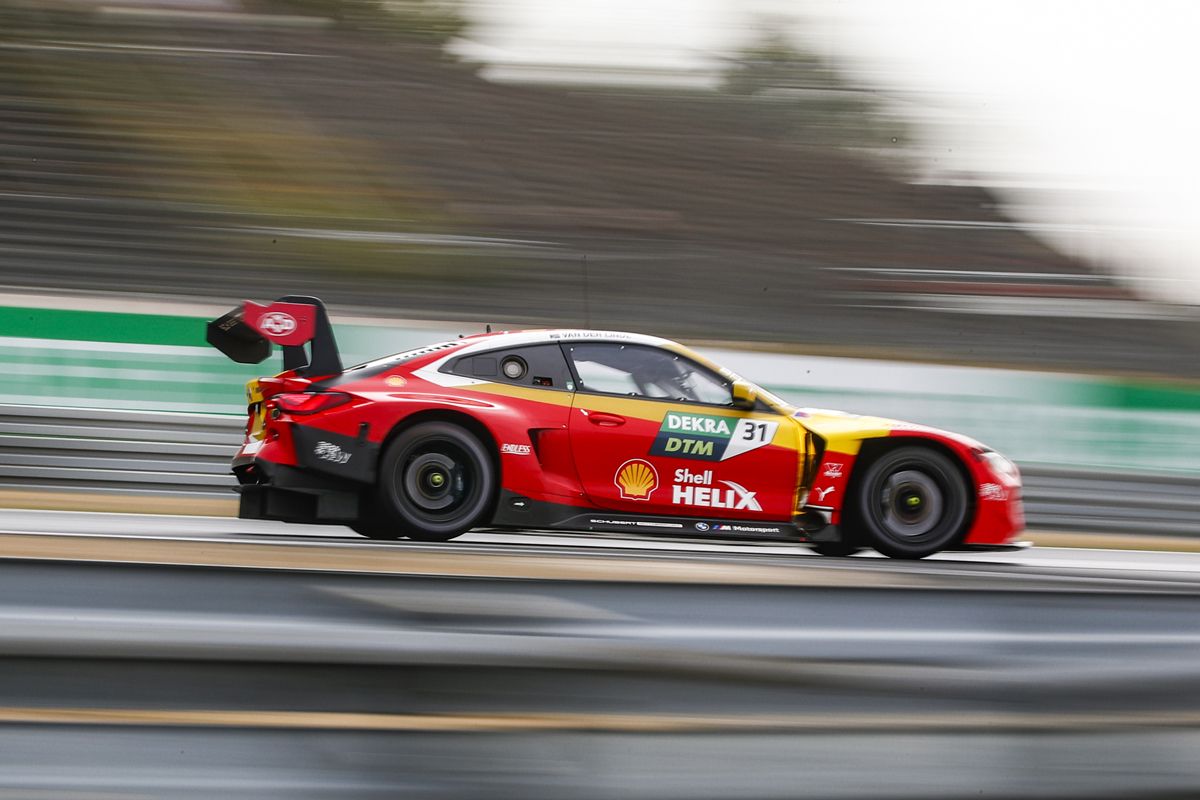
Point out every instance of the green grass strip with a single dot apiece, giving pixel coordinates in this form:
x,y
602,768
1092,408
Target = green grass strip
x,y
101,326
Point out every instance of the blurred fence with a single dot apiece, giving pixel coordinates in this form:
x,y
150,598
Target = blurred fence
x,y
187,455
159,362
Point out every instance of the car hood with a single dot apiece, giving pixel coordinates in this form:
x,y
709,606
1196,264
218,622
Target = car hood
x,y
836,426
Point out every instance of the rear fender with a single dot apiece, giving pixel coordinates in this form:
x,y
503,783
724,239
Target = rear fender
x,y
532,450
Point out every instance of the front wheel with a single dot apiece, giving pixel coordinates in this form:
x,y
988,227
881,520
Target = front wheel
x,y
380,531
436,482
912,503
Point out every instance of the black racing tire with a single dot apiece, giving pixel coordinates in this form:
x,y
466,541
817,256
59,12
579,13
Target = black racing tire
x,y
436,482
837,549
912,502
379,531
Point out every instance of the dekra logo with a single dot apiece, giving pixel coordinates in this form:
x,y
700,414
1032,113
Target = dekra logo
x,y
694,423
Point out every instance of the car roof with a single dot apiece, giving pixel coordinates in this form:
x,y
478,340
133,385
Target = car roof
x,y
500,339
437,353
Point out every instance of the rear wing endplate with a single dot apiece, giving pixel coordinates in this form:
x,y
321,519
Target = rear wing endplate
x,y
245,334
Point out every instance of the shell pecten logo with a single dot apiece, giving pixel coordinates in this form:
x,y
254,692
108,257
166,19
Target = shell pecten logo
x,y
636,479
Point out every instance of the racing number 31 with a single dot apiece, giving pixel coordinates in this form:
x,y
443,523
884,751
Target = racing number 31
x,y
754,431
750,434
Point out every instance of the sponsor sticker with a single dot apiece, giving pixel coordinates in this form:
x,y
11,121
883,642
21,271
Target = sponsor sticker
x,y
992,491
636,523
699,526
516,449
699,489
328,451
747,528
636,479
277,323
586,335
710,437
396,381
820,493
832,470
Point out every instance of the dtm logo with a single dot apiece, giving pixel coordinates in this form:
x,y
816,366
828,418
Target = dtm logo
x,y
277,323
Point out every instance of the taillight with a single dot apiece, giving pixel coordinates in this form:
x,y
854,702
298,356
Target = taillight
x,y
302,403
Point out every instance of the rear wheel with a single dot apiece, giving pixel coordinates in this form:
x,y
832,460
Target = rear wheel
x,y
436,482
912,503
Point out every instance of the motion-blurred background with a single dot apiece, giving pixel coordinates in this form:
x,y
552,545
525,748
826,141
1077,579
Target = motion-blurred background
x,y
974,215
729,171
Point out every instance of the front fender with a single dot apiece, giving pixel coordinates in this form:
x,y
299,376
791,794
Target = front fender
x,y
998,515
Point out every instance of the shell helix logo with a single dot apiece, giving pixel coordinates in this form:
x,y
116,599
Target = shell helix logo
x,y
636,479
277,323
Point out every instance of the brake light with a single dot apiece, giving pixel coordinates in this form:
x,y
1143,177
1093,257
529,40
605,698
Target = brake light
x,y
309,402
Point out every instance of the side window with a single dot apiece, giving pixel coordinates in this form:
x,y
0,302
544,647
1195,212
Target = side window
x,y
644,371
541,366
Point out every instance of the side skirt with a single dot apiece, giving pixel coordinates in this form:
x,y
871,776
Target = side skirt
x,y
515,511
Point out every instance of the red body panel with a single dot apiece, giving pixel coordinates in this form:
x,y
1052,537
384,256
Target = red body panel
x,y
830,483
755,485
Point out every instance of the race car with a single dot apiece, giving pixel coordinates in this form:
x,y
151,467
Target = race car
x,y
589,431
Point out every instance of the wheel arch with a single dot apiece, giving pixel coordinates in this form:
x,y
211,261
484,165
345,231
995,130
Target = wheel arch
x,y
455,417
875,448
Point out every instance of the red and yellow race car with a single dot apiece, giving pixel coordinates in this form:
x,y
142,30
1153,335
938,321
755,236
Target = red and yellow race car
x,y
585,430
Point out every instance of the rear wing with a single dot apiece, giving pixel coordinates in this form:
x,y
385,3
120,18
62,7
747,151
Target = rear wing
x,y
245,335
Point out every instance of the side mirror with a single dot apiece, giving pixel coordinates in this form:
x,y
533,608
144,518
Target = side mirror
x,y
744,395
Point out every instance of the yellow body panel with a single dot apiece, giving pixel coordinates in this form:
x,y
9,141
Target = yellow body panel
x,y
258,411
845,433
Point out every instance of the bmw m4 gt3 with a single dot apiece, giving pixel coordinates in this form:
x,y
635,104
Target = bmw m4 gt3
x,y
582,430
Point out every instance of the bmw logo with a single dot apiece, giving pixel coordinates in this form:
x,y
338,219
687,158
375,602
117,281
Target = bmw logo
x,y
701,526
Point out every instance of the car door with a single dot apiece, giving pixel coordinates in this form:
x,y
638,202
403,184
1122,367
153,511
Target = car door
x,y
654,432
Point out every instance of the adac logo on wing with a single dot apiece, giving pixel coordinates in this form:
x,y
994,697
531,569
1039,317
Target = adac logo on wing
x,y
636,479
710,437
277,323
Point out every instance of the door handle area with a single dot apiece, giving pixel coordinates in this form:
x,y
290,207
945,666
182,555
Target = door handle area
x,y
605,420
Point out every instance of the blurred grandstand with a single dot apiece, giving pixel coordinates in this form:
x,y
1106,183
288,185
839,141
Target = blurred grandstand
x,y
217,148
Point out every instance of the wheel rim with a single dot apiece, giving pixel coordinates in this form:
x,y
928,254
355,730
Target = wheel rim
x,y
911,504
439,480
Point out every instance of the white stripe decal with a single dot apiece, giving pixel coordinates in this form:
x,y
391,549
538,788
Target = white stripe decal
x,y
110,347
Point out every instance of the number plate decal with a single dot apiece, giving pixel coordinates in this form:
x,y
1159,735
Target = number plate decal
x,y
750,434
710,437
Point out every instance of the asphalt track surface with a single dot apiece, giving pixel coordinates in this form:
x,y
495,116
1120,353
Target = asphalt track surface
x,y
155,538
1100,563
308,662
